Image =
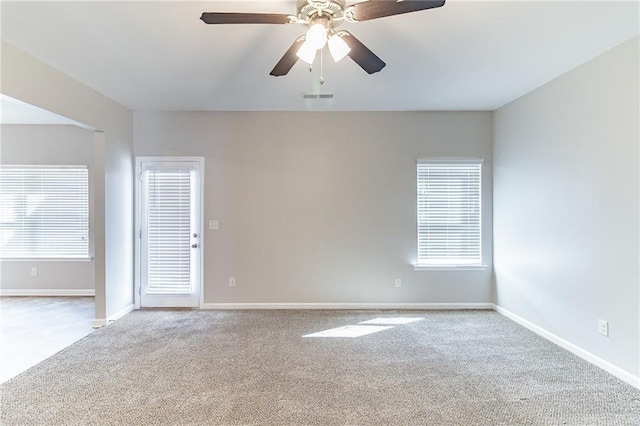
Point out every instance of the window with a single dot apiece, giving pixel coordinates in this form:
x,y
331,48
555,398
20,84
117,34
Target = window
x,y
449,219
44,212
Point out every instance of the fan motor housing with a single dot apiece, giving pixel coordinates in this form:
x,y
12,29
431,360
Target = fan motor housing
x,y
308,9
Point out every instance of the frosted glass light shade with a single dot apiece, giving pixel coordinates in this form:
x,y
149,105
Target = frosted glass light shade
x,y
307,52
317,36
338,48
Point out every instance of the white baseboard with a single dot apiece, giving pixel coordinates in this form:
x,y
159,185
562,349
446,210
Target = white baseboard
x,y
416,306
44,292
102,322
122,312
574,349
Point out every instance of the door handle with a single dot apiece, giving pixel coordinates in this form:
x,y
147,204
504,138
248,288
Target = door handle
x,y
194,245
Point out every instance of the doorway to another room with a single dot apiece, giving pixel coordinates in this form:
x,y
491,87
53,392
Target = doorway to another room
x,y
35,328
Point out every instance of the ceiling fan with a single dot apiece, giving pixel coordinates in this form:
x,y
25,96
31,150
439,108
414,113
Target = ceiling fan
x,y
322,17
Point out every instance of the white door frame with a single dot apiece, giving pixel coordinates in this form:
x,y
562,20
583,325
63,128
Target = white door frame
x,y
138,224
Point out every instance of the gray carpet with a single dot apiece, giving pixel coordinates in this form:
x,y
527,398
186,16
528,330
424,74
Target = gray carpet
x,y
255,368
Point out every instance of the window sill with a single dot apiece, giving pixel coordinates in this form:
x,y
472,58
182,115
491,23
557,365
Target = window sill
x,y
450,267
46,259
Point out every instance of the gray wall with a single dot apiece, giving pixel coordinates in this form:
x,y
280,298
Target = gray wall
x,y
48,145
566,172
321,207
29,80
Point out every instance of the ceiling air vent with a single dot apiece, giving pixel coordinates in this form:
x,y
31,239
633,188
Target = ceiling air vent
x,y
317,95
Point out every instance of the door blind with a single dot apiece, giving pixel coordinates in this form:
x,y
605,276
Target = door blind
x,y
449,221
169,228
44,212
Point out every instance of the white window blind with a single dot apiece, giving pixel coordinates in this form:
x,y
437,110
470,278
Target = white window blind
x,y
44,212
169,226
449,219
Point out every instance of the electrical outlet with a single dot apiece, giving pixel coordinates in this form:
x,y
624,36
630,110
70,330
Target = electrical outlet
x,y
214,225
34,272
603,327
232,282
398,282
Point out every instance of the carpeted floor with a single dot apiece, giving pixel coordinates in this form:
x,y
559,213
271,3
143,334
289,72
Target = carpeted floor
x,y
256,368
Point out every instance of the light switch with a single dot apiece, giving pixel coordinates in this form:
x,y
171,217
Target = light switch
x,y
214,224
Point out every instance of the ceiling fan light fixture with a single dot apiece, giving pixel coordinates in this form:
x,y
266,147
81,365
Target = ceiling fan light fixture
x,y
307,52
321,17
338,47
317,36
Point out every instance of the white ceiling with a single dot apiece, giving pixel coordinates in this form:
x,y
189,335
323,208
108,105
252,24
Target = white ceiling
x,y
467,55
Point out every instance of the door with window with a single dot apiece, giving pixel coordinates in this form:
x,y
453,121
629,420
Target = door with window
x,y
170,227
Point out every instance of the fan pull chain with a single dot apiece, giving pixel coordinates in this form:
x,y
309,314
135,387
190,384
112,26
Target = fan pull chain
x,y
321,67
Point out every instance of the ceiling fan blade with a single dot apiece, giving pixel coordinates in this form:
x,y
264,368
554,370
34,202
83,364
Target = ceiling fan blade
x,y
374,9
289,59
361,55
244,18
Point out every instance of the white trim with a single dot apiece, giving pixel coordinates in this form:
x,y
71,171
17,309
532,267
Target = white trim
x,y
416,306
450,268
101,322
169,158
201,241
137,178
122,312
451,160
45,292
574,349
47,259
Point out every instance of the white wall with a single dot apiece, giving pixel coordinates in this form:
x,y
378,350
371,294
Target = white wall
x,y
29,80
321,207
48,145
566,198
